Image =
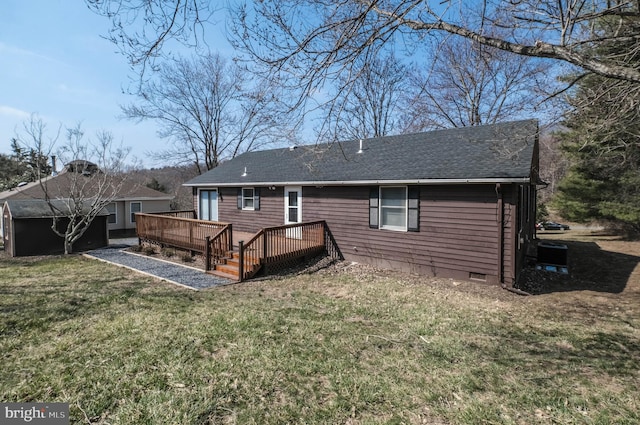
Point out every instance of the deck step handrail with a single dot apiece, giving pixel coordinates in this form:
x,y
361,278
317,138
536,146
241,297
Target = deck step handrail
x,y
218,247
280,244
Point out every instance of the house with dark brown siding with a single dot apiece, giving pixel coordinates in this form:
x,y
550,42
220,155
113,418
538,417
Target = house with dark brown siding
x,y
456,203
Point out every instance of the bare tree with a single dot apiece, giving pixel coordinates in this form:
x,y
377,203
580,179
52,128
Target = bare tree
x,y
563,30
308,44
316,35
141,28
471,84
208,110
555,163
369,106
84,188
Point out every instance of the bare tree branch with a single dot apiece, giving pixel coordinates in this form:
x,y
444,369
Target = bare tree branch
x,y
209,111
84,188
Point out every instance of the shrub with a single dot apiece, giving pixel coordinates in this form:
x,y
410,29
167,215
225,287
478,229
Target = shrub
x,y
168,252
187,258
149,250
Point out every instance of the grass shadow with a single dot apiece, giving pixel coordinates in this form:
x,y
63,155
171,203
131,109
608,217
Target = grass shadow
x,y
593,269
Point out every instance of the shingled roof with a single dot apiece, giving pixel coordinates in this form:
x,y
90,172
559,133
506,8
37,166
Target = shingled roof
x,y
492,153
60,186
39,208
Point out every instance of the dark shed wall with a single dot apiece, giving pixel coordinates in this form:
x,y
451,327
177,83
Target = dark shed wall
x,y
33,236
459,227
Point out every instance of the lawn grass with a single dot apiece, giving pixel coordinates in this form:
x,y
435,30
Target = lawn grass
x,y
354,347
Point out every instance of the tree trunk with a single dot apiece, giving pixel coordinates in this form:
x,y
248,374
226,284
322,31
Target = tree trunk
x,y
68,246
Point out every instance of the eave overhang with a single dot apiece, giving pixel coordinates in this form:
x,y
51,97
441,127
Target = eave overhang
x,y
519,180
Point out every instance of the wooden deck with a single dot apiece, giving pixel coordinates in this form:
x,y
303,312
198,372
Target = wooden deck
x,y
235,254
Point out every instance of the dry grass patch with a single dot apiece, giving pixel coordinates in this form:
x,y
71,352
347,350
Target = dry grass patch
x,y
344,345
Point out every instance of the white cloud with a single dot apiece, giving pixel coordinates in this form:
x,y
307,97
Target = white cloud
x,y
8,111
20,52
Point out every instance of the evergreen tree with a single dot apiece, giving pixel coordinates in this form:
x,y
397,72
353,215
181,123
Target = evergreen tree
x,y
22,165
156,185
603,140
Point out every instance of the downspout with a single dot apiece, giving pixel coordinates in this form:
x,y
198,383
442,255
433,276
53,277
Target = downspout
x,y
500,234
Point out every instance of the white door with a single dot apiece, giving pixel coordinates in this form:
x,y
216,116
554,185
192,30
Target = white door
x,y
208,205
293,210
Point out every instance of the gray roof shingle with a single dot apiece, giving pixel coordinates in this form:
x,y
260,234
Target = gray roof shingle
x,y
500,152
60,186
39,208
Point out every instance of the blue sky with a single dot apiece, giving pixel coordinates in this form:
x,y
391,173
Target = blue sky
x,y
53,62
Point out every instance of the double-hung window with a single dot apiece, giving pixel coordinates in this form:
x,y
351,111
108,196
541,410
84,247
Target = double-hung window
x,y
394,208
113,213
136,207
249,198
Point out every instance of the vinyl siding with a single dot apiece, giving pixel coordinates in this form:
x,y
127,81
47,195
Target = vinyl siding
x,y
458,237
271,212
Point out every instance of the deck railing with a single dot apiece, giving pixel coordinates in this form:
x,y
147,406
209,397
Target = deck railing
x,y
284,244
177,213
185,233
218,247
272,248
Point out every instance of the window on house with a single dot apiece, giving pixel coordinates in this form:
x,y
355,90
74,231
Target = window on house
x,y
136,207
113,218
395,208
247,198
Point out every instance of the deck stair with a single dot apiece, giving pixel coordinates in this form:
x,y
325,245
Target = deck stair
x,y
231,267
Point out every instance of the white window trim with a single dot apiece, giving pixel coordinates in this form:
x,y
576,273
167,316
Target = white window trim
x,y
115,212
406,210
131,212
253,192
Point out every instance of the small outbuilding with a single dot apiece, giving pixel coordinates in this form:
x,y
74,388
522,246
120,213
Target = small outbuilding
x,y
27,224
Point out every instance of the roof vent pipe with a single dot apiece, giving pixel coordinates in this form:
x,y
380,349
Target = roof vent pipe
x,y
54,167
360,150
245,172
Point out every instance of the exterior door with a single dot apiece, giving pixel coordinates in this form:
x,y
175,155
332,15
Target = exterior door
x,y
208,205
293,210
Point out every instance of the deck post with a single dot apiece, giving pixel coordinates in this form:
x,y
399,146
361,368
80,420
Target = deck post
x,y
207,253
240,261
324,236
265,236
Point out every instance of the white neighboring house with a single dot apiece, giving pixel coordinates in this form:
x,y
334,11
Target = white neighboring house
x,y
133,198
